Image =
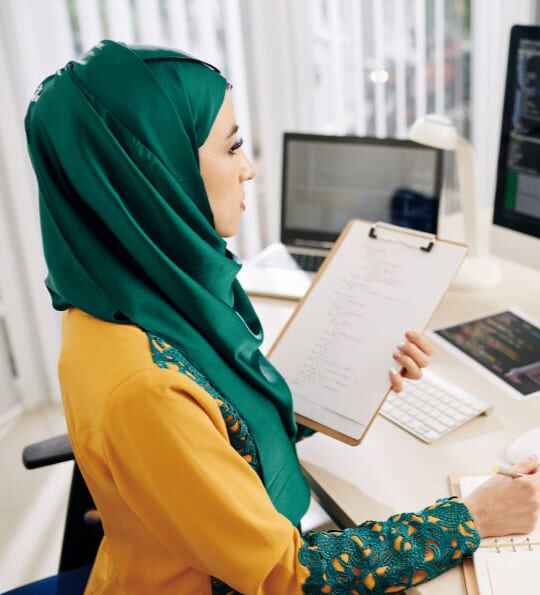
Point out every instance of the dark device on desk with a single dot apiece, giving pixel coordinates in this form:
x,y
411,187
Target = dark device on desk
x,y
414,209
328,180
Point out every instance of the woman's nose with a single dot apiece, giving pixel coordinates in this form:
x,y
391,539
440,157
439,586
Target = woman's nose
x,y
250,172
253,174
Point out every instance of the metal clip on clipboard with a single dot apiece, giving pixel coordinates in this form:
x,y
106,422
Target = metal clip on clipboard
x,y
373,234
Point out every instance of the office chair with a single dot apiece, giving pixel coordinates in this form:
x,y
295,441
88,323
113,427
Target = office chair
x,y
82,534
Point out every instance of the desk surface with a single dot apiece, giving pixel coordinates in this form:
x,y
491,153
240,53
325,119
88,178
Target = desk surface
x,y
391,471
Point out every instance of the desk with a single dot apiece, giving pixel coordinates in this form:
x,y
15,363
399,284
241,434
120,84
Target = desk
x,y
392,471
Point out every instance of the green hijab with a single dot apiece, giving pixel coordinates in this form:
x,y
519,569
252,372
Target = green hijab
x,y
129,236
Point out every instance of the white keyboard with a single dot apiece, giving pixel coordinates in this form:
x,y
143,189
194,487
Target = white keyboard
x,y
431,407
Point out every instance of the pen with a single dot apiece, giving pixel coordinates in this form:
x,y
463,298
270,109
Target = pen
x,y
505,470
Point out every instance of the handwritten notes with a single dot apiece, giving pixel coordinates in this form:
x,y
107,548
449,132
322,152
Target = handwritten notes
x,y
337,349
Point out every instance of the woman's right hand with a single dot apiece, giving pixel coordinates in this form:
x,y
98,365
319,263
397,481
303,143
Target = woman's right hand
x,y
503,505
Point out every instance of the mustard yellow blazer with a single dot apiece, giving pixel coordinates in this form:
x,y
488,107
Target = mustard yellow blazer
x,y
173,472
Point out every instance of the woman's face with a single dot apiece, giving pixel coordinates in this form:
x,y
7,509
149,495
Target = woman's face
x,y
224,168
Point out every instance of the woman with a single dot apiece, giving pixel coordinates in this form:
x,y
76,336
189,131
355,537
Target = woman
x,y
183,430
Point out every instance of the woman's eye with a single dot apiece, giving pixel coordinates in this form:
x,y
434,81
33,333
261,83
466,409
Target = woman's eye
x,y
236,145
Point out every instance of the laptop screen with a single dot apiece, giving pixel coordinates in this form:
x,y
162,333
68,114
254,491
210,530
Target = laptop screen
x,y
328,180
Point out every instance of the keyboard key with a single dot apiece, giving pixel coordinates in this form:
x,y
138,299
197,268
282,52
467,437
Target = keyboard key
x,y
446,419
417,425
431,435
455,415
438,426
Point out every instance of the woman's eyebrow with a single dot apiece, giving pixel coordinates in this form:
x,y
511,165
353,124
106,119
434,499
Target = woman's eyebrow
x,y
234,129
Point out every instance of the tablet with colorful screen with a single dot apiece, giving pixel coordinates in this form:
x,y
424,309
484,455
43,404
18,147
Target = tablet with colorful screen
x,y
506,344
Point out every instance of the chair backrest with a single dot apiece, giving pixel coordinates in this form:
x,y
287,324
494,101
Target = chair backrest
x,y
81,538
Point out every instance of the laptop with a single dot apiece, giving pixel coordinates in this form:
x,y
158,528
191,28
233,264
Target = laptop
x,y
328,180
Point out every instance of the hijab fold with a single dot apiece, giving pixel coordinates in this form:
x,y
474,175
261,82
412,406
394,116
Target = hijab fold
x,y
129,236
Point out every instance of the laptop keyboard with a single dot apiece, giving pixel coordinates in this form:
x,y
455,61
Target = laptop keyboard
x,y
308,262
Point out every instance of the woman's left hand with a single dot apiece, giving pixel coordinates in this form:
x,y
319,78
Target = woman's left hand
x,y
412,355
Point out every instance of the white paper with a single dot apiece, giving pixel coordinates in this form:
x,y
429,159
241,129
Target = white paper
x,y
337,350
509,575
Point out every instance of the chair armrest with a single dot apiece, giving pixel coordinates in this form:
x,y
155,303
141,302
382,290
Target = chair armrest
x,y
47,452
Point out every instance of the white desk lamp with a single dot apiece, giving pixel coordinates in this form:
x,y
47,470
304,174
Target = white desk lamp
x,y
478,271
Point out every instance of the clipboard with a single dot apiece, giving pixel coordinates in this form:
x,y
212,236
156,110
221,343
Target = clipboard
x,y
395,246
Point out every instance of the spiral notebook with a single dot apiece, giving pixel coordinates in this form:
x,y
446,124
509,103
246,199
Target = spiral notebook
x,y
378,281
506,565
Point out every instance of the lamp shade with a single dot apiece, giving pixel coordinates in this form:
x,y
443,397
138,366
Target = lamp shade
x,y
436,131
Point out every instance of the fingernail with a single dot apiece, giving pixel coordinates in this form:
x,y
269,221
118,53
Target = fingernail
x,y
395,355
393,371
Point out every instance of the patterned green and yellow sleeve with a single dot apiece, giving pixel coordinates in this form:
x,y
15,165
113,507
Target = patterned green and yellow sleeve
x,y
390,556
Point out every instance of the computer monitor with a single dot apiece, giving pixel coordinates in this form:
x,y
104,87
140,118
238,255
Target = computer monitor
x,y
329,179
515,234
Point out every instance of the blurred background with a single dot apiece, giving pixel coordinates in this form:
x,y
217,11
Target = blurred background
x,y
360,67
